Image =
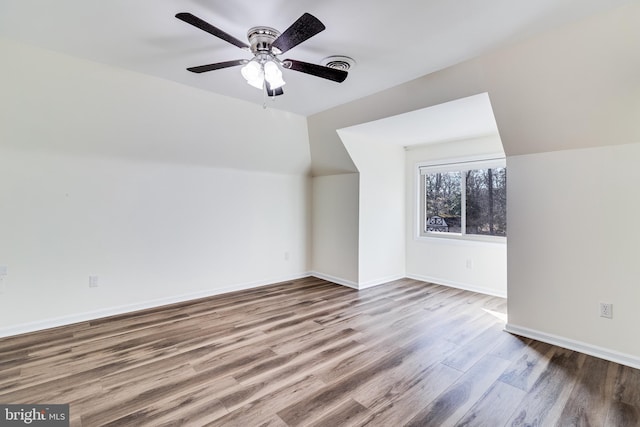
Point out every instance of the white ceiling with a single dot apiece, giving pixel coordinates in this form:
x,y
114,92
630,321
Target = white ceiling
x,y
392,41
463,118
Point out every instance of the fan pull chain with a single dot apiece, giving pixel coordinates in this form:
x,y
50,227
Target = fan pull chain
x,y
264,96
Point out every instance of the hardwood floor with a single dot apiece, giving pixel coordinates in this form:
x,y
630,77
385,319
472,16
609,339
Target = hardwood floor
x,y
312,353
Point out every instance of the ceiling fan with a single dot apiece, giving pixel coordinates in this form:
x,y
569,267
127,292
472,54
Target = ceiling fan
x,y
264,70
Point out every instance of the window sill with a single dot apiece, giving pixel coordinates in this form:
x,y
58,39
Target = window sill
x,y
461,239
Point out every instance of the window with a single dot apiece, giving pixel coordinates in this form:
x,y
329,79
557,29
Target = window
x,y
443,202
464,200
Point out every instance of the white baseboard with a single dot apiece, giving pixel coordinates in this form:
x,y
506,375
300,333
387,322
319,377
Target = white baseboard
x,y
582,347
381,281
465,286
334,279
129,308
356,285
372,283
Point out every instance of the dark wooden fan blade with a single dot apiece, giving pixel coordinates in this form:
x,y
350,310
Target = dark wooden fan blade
x,y
276,92
217,66
303,29
205,26
316,70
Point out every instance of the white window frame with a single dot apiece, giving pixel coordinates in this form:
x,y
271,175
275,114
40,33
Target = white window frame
x,y
453,165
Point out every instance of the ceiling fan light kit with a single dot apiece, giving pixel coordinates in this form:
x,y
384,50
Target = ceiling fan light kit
x,y
264,70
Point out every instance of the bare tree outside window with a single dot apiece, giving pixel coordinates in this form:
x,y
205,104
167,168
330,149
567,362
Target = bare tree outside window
x,y
487,201
466,202
444,199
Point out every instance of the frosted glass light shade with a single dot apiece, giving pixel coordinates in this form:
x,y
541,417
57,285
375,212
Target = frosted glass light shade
x,y
273,75
253,74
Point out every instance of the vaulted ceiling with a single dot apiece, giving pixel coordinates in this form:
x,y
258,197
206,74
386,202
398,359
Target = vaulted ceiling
x,y
391,42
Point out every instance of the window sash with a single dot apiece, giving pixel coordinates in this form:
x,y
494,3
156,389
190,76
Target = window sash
x,y
429,168
458,166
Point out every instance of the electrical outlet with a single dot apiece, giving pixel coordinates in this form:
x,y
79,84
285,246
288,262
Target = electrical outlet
x,y
469,263
606,310
3,278
93,281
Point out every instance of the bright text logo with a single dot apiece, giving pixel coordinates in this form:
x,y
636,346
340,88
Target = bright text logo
x,y
34,415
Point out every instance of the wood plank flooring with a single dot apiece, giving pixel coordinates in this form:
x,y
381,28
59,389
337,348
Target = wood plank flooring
x,y
312,353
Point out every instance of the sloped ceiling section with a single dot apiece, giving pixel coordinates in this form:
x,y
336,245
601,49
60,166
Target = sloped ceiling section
x,y
573,87
392,42
460,119
81,107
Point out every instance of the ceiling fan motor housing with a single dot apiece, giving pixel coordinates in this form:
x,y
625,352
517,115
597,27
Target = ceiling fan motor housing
x,y
261,39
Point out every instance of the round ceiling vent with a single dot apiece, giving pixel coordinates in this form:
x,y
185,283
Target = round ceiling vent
x,y
337,62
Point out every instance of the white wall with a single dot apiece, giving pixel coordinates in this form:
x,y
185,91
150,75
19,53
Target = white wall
x,y
334,233
163,191
573,243
445,261
381,224
153,233
56,102
574,87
